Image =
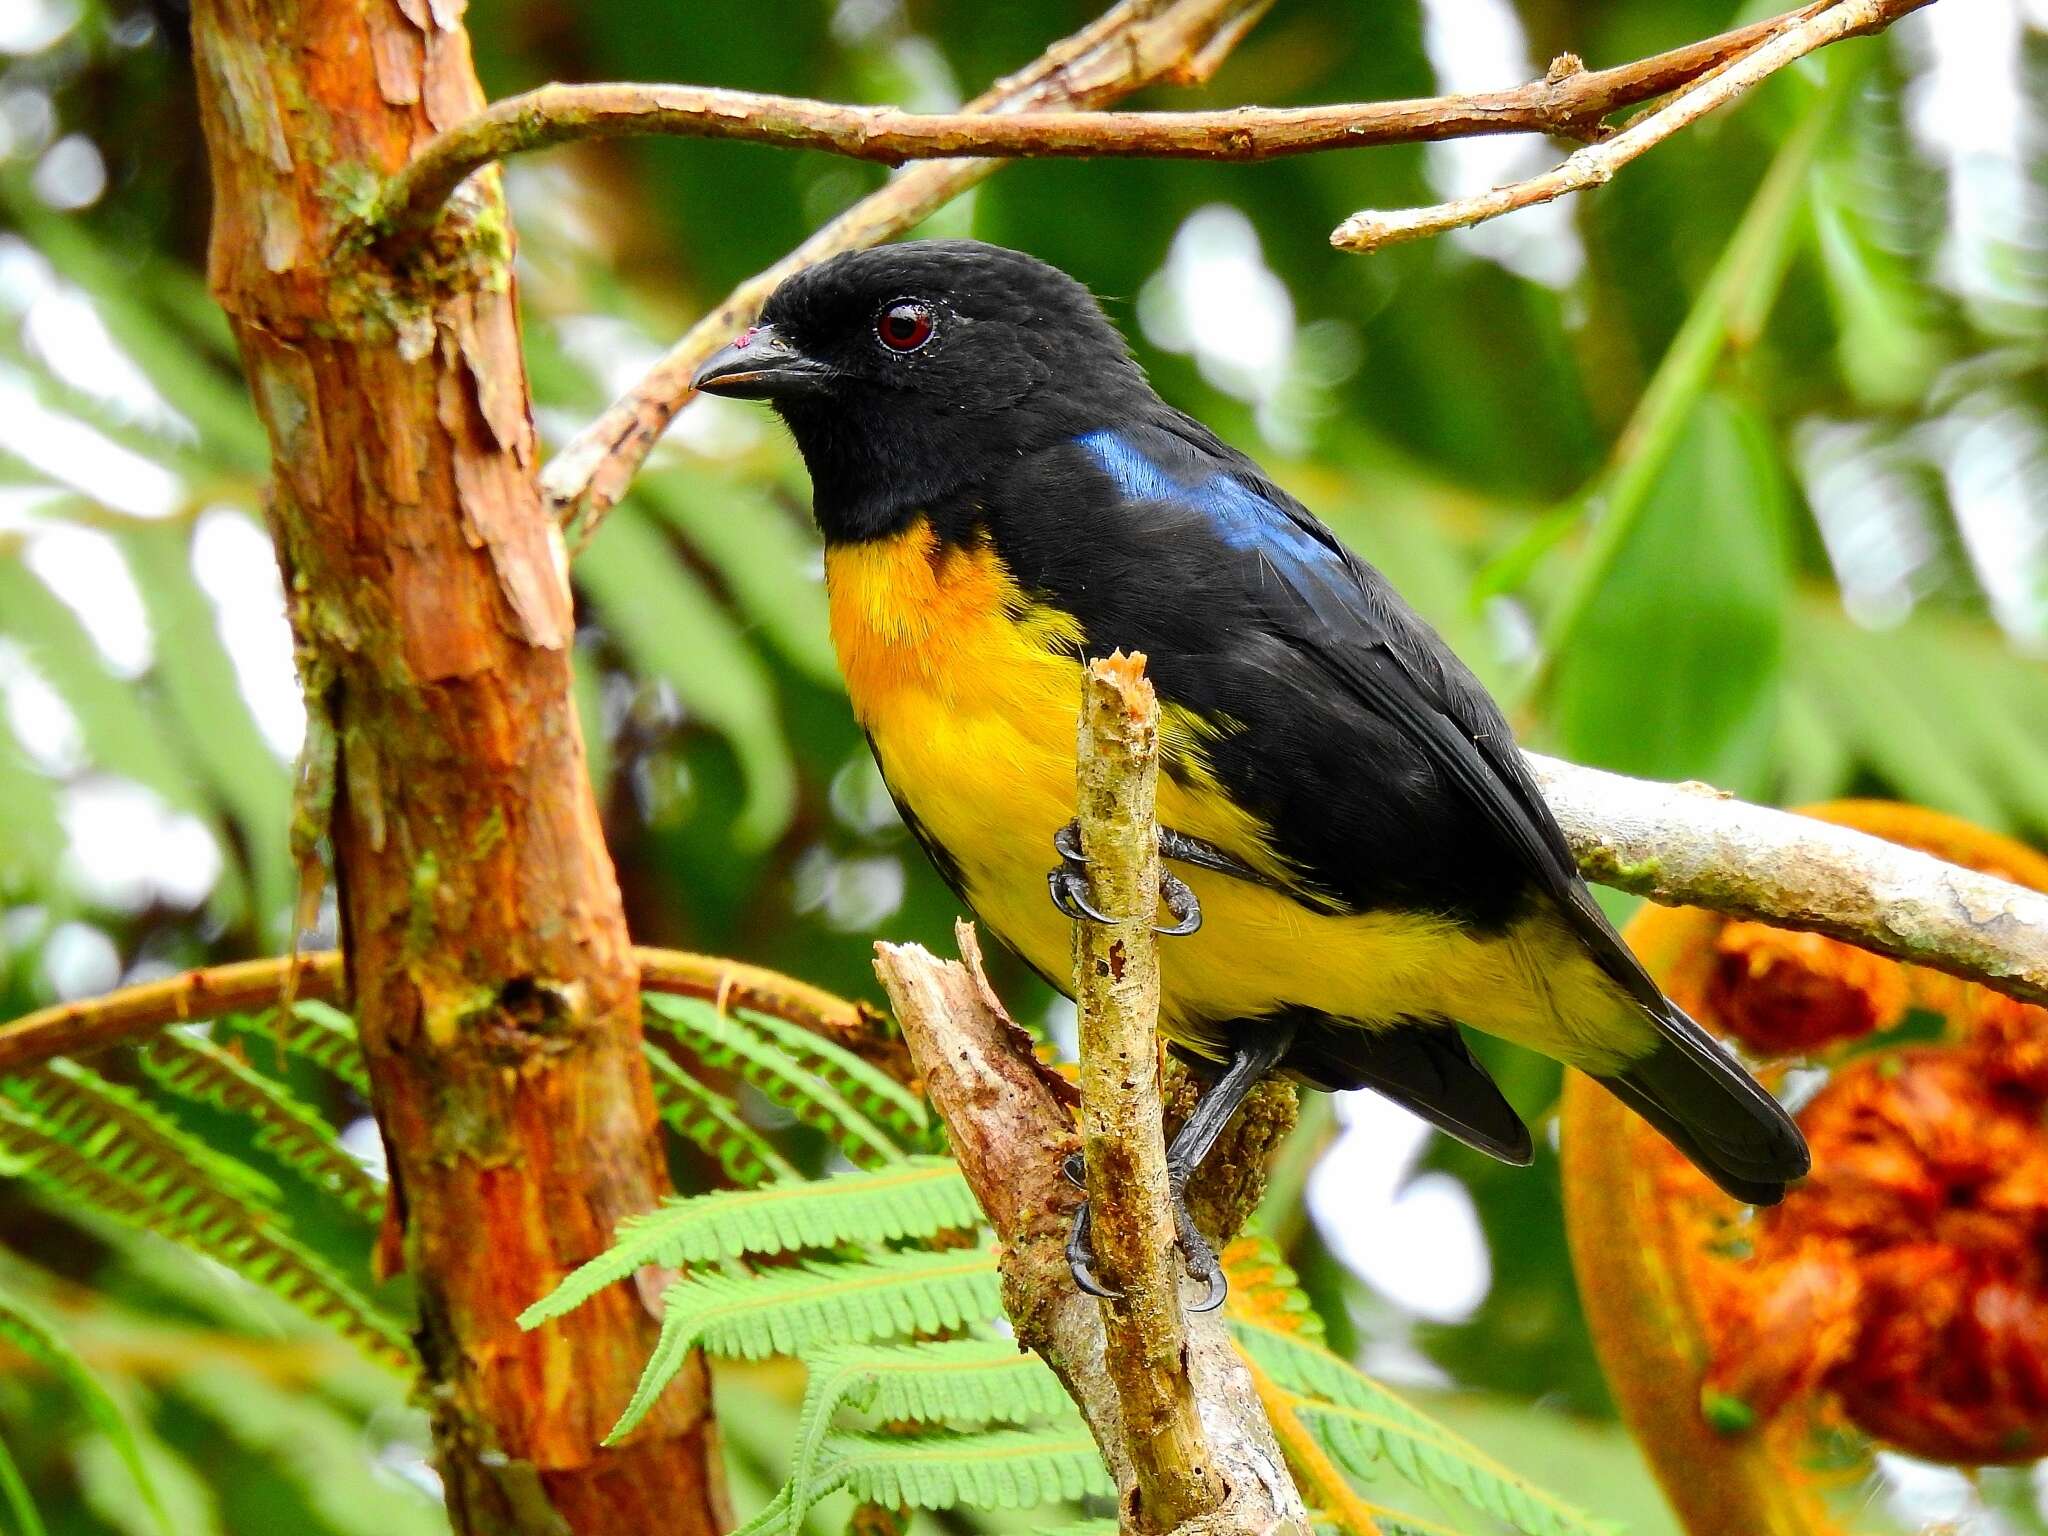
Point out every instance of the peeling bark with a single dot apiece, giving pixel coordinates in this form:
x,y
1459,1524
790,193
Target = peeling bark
x,y
486,950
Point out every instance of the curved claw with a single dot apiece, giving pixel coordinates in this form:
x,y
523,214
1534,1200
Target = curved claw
x,y
1070,894
1182,903
1219,1288
1081,1259
1067,843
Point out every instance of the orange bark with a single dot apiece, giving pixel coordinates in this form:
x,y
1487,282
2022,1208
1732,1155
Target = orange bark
x,y
486,950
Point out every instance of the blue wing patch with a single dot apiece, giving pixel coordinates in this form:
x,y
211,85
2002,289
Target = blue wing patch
x,y
1242,518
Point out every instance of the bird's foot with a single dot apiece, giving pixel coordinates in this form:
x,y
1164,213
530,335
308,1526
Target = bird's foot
x,y
1196,1249
1068,883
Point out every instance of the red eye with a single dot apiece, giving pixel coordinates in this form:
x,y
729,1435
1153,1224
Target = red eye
x,y
904,327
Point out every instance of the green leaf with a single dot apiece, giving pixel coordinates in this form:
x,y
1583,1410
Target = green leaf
x,y
325,1456
127,1135
1673,667
243,1237
286,1128
916,1198
28,1520
767,560
32,836
1736,298
949,1381
865,1086
219,729
734,1043
316,1032
711,1122
788,1311
1362,1424
122,733
29,1333
673,628
985,1469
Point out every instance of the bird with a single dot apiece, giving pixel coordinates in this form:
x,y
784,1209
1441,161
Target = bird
x,y
1359,863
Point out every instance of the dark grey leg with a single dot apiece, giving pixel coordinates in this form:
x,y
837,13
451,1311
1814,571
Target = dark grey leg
x,y
1250,1062
1068,882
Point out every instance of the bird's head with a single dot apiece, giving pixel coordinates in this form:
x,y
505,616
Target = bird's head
x,y
907,372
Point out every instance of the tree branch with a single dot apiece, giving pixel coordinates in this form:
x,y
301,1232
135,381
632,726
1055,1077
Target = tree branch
x,y
1133,44
1116,994
1691,845
1570,102
1596,164
1011,1136
1677,844
251,986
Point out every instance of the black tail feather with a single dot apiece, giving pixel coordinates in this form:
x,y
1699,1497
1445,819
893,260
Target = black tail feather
x,y
1704,1104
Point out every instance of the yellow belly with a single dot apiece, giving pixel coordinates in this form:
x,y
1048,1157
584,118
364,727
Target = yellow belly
x,y
969,694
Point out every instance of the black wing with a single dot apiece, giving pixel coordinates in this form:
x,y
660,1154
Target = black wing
x,y
1253,612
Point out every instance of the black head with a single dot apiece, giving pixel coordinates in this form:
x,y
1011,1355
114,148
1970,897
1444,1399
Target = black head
x,y
907,372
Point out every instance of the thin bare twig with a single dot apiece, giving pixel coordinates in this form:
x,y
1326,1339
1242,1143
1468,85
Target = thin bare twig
x,y
1116,995
1133,44
1569,101
1010,1135
1596,164
250,986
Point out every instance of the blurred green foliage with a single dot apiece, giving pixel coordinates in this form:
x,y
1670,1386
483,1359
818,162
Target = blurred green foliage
x,y
1737,468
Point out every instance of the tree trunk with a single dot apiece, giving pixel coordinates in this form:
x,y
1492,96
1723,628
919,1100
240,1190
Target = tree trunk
x,y
486,950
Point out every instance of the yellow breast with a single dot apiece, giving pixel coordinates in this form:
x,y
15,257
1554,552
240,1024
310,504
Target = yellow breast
x,y
970,693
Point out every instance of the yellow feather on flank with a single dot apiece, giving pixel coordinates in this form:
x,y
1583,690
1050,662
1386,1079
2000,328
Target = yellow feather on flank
x,y
969,692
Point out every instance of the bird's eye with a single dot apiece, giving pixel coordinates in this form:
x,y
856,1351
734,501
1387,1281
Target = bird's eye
x,y
904,327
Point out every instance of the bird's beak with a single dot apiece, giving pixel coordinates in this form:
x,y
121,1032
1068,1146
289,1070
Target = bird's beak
x,y
759,365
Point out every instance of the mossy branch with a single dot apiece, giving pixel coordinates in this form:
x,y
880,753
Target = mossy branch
x,y
1116,994
1010,1134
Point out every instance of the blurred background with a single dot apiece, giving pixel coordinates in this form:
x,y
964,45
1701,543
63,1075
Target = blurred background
x,y
1795,361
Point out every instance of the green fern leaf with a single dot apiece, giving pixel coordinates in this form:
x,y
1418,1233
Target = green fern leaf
x,y
1363,1426
210,1220
948,1381
317,1032
710,1122
915,1198
725,1041
30,1334
983,1469
789,1311
125,1133
286,1128
866,1087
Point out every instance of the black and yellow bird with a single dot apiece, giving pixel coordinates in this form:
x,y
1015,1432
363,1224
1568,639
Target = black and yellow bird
x,y
1002,494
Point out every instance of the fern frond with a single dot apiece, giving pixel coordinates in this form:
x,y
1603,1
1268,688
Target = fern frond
x,y
949,1381
728,1042
29,1333
790,1311
286,1128
865,1086
211,1221
916,1198
709,1121
982,1469
314,1031
127,1135
1264,1290
1362,1424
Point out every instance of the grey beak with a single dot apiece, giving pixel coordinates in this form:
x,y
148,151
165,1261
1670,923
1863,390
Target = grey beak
x,y
760,365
